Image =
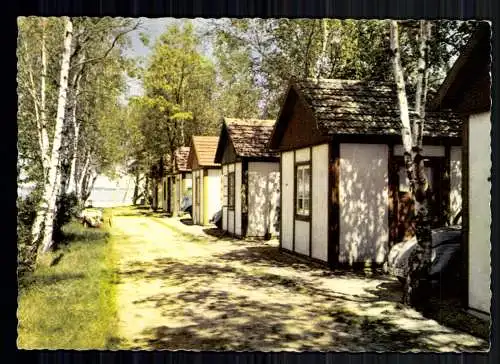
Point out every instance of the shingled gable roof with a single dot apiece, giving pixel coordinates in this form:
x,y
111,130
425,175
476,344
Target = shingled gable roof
x,y
203,147
181,158
249,137
353,107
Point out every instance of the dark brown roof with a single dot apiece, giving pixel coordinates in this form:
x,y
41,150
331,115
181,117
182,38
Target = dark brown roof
x,y
181,158
250,137
204,148
353,107
467,86
363,107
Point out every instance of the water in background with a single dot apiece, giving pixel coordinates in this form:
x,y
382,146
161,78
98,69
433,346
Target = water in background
x,y
108,197
106,192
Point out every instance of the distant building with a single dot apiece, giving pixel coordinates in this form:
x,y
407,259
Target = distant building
x,y
250,175
206,178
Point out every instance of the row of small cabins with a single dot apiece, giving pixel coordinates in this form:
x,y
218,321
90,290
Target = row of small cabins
x,y
328,176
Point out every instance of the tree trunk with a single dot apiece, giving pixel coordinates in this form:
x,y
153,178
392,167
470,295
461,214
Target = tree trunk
x,y
39,105
48,231
76,135
43,118
136,188
83,173
322,59
416,287
47,204
88,186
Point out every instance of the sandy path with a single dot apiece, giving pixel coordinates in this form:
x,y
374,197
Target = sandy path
x,y
197,292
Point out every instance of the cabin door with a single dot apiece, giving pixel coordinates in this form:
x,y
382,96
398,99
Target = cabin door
x,y
405,226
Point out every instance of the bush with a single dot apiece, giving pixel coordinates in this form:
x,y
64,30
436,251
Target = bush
x,y
67,208
26,213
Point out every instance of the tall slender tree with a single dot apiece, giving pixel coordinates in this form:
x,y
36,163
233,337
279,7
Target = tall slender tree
x,y
416,286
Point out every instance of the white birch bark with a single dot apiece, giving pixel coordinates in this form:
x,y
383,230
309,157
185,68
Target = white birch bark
x,y
83,172
76,135
47,204
406,131
322,59
416,287
43,119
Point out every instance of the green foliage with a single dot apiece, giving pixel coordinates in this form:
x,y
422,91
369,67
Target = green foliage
x,y
26,252
67,208
280,49
179,85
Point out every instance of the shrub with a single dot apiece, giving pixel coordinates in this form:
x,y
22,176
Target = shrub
x,y
67,208
26,213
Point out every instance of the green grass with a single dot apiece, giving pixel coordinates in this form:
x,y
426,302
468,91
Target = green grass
x,y
70,303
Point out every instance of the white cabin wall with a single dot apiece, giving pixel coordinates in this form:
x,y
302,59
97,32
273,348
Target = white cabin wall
x,y
363,194
319,231
302,155
302,228
214,198
455,180
224,198
263,198
162,195
195,213
202,197
287,190
238,170
302,237
230,212
178,192
188,182
479,211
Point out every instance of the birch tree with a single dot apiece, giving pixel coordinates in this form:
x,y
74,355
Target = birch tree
x,y
416,286
47,205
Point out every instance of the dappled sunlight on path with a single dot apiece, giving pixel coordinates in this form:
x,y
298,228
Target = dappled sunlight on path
x,y
182,289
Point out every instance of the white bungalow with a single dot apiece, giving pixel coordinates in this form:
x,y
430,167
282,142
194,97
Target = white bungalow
x,y
206,175
178,183
342,201
250,175
467,90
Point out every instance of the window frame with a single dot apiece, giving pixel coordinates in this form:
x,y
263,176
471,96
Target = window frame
x,y
302,214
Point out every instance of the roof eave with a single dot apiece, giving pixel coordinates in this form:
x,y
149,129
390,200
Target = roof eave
x,y
440,100
221,145
274,140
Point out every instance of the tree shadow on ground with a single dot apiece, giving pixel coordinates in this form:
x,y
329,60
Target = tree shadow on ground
x,y
142,211
82,234
257,310
49,279
187,221
272,256
218,233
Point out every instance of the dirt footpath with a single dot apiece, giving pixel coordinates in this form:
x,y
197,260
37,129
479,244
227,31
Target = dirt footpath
x,y
180,288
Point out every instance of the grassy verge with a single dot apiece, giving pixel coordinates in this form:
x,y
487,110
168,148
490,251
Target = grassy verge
x,y
71,302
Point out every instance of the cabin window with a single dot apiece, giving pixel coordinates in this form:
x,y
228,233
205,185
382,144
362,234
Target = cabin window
x,y
230,190
303,185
